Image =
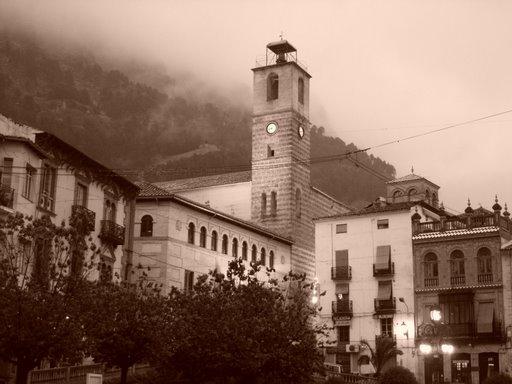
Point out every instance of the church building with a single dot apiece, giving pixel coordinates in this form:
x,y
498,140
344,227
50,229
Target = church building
x,y
271,206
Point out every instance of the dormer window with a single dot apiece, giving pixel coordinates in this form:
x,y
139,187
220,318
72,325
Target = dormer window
x,y
272,86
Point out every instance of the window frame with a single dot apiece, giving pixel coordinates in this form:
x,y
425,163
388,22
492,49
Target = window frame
x,y
340,226
382,223
203,234
191,233
146,226
29,182
224,244
50,182
386,327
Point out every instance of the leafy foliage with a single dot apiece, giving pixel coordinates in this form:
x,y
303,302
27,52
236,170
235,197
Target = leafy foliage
x,y
118,121
237,329
398,375
499,378
385,349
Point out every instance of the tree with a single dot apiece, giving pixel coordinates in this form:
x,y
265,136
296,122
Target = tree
x,y
234,328
385,349
40,299
123,325
398,375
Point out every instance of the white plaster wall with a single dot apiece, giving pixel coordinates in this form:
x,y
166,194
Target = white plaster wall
x,y
361,240
233,199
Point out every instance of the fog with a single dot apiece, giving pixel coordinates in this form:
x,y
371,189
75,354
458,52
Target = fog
x,y
381,70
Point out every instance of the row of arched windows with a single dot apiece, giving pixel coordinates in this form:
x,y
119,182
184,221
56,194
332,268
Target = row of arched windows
x,y
273,87
225,245
431,198
458,267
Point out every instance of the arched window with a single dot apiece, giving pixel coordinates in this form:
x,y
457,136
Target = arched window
x,y
298,202
244,250
397,194
202,237
254,253
191,233
225,244
457,270
271,259
484,259
411,193
427,196
301,90
263,204
146,226
431,269
263,256
435,200
234,248
273,203
272,86
214,240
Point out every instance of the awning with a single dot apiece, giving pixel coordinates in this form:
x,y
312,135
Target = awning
x,y
485,317
383,257
341,258
384,290
341,289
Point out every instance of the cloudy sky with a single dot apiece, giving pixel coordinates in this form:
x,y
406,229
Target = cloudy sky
x,y
382,70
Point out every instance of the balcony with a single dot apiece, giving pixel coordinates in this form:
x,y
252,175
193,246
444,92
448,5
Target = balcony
x,y
431,282
485,278
82,219
390,270
342,308
462,222
111,232
6,196
385,306
341,273
457,280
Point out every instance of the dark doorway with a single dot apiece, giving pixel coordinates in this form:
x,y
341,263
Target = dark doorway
x,y
461,368
434,370
488,365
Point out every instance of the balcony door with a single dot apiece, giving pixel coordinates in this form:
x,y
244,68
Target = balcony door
x,y
488,365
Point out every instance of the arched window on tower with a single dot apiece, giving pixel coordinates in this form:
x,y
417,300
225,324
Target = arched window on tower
x,y
431,270
215,239
146,226
272,86
191,233
457,270
427,196
254,254
435,199
225,244
273,203
484,260
411,193
244,250
234,248
301,90
271,259
396,195
263,205
263,256
298,202
202,237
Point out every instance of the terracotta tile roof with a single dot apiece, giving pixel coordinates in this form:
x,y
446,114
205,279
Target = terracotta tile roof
x,y
409,177
150,190
458,288
375,208
457,232
205,181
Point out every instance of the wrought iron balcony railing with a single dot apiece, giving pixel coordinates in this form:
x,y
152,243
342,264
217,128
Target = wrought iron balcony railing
x,y
389,270
485,278
6,196
458,280
342,308
431,282
111,232
385,306
341,273
82,219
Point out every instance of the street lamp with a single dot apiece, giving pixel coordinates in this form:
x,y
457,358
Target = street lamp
x,y
433,330
435,314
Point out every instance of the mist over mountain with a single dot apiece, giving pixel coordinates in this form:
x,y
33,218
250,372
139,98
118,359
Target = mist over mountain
x,y
146,123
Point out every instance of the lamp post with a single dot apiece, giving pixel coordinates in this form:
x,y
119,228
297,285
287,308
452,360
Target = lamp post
x,y
440,346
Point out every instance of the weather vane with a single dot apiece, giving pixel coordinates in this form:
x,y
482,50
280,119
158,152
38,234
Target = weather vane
x,y
281,35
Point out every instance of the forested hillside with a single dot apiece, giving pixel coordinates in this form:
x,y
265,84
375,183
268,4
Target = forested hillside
x,y
135,127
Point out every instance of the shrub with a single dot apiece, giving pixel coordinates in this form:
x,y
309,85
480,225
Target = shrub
x,y
335,380
499,378
397,375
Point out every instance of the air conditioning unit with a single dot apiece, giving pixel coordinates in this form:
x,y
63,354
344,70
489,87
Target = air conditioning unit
x,y
352,348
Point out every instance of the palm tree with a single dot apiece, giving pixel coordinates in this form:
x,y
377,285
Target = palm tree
x,y
385,349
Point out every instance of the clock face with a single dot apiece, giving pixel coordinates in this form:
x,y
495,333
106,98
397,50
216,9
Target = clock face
x,y
271,128
301,131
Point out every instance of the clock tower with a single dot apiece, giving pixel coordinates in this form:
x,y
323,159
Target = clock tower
x,y
281,191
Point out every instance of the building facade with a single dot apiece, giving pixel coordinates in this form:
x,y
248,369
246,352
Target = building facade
x,y
462,266
364,263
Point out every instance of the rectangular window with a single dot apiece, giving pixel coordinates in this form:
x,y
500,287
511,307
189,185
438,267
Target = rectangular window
x,y
341,228
189,280
48,183
382,224
6,172
81,194
341,258
342,291
485,318
28,186
386,327
110,209
383,259
385,290
344,334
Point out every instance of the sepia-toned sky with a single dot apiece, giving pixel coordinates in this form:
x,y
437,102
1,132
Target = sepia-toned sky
x,y
382,70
